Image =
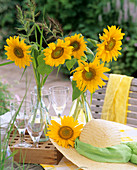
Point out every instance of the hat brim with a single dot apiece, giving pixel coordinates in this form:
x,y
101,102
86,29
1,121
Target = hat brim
x,y
88,164
85,163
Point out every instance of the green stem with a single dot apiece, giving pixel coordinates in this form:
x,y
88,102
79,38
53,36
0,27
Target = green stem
x,y
38,105
83,100
38,94
75,115
10,62
78,112
42,81
41,37
37,83
36,35
91,95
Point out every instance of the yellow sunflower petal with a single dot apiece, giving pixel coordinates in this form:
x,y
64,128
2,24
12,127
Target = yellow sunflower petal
x,y
66,132
17,52
109,48
78,44
90,78
56,54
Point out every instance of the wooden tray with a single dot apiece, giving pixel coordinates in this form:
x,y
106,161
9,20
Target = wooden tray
x,y
46,153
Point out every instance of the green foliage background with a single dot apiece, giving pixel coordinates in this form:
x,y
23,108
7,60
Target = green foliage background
x,y
4,98
85,16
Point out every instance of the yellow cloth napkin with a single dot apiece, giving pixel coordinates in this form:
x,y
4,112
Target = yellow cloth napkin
x,y
116,98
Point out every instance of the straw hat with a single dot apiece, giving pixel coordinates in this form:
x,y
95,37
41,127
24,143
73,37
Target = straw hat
x,y
99,133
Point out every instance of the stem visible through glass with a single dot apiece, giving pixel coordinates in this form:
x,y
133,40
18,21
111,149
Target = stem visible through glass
x,y
35,144
22,136
83,100
59,115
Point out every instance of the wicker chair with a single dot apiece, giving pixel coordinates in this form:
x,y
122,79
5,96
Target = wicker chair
x,y
98,100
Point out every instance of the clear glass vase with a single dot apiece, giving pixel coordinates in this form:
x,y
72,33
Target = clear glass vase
x,y
81,110
40,116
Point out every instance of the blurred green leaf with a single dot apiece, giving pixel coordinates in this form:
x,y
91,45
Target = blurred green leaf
x,y
76,92
94,42
42,67
89,51
70,63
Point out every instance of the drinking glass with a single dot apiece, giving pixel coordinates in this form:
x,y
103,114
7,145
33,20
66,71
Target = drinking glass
x,y
36,123
45,97
46,94
21,121
59,98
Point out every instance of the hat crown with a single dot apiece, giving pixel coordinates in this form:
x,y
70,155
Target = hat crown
x,y
100,133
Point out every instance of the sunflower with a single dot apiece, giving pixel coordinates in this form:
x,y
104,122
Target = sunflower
x,y
56,54
111,44
66,132
89,76
78,44
17,51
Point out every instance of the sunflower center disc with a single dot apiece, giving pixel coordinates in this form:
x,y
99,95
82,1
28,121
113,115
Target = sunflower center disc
x,y
18,52
57,53
76,45
88,75
110,44
65,132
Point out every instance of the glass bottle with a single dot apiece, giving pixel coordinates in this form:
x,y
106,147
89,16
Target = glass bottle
x,y
80,109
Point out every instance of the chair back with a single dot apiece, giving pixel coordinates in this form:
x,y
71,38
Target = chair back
x,y
98,100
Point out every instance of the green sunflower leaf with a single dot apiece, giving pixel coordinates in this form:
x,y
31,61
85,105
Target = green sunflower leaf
x,y
94,42
10,62
40,59
34,54
70,63
42,67
84,58
76,92
34,62
89,51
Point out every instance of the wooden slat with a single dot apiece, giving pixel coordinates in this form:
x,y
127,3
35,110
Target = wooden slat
x,y
135,126
96,109
134,82
133,95
98,96
131,121
132,101
103,90
133,88
132,115
97,102
97,116
132,108
102,96
100,100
